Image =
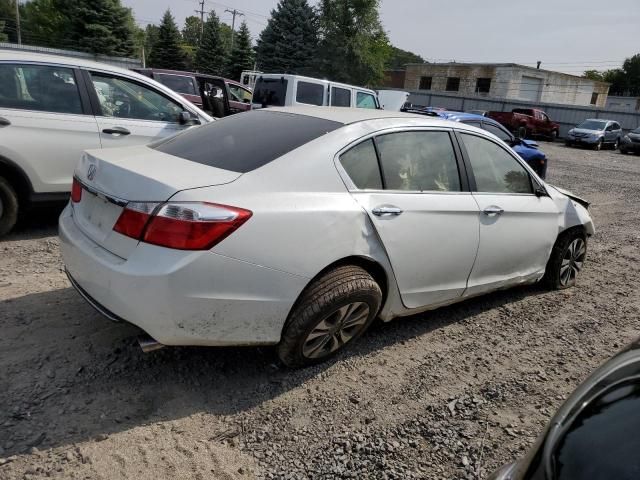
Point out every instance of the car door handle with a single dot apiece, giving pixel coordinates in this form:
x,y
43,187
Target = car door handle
x,y
4,122
386,211
492,210
116,131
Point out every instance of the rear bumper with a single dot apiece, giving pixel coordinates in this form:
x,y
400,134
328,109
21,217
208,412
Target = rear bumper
x,y
180,297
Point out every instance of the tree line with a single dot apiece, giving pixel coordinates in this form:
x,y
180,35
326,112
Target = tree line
x,y
343,40
624,81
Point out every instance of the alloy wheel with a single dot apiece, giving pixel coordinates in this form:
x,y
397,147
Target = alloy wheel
x,y
335,330
572,261
599,145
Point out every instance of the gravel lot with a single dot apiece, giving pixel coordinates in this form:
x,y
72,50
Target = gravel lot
x,y
450,394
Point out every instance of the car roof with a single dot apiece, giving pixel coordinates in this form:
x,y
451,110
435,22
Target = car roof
x,y
23,56
289,76
461,116
597,120
348,116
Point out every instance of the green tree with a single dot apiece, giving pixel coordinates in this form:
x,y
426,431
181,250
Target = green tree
x,y
98,26
594,75
191,31
354,47
624,81
43,23
167,52
3,36
241,56
398,58
151,35
211,54
8,14
289,42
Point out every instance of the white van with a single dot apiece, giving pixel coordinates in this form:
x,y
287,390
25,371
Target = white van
x,y
283,90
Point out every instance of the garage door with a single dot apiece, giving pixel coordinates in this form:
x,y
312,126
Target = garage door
x,y
530,88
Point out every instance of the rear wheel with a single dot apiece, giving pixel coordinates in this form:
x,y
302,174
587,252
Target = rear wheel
x,y
332,312
554,136
616,145
522,132
8,207
566,260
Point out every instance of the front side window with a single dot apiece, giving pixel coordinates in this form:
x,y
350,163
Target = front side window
x,y
177,83
361,164
310,93
418,161
239,94
498,132
340,97
39,88
365,100
494,169
270,91
122,98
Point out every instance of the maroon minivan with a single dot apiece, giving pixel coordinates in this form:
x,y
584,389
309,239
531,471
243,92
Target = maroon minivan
x,y
217,96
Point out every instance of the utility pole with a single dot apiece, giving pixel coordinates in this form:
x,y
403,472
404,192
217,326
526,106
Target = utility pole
x,y
18,22
201,12
234,12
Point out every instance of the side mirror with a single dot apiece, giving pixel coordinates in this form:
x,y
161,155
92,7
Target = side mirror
x,y
540,191
188,118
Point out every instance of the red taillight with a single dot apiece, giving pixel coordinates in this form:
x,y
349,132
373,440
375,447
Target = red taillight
x,y
134,218
76,191
184,226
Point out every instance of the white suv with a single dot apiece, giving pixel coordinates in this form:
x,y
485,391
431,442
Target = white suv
x,y
53,108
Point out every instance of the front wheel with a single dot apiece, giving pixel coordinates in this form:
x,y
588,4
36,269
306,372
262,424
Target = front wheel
x,y
8,207
566,260
598,146
332,312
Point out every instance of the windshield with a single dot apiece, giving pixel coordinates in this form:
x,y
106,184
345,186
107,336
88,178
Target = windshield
x,y
592,125
637,131
270,91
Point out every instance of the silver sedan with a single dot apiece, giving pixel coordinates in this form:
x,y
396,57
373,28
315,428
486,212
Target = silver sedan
x,y
298,227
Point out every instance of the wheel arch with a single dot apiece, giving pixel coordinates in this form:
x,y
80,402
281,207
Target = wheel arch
x,y
18,179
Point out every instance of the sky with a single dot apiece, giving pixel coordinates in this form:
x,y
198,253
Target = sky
x,y
565,35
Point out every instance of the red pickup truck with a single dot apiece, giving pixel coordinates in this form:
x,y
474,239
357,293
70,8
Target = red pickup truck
x,y
527,122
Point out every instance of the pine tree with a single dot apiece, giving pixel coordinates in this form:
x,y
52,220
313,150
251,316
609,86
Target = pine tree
x,y
167,53
191,31
289,42
354,47
241,56
98,26
211,54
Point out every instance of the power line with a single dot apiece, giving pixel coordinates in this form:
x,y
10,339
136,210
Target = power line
x,y
234,12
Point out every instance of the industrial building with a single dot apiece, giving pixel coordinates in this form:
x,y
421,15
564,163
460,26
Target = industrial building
x,y
507,81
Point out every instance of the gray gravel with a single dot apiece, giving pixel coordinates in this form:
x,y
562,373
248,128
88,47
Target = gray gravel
x,y
453,393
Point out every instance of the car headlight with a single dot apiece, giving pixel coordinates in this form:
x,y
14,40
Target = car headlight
x,y
571,132
626,139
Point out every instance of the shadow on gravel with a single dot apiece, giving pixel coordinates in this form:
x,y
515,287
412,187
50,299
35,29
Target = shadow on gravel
x,y
69,375
37,223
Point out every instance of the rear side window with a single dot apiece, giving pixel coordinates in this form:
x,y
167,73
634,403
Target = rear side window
x,y
340,97
361,164
40,88
418,161
242,143
177,83
495,171
270,91
310,93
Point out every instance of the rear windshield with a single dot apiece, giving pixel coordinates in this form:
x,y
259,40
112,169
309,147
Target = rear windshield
x,y
246,141
270,91
177,83
523,111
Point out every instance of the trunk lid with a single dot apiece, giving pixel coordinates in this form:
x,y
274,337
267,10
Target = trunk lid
x,y
114,177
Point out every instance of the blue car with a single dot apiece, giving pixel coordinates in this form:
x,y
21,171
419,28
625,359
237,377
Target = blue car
x,y
527,149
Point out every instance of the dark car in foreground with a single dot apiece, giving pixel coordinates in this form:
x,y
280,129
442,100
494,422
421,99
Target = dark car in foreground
x,y
217,96
594,434
631,142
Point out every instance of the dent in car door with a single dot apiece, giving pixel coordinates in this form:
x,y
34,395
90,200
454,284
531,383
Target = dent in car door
x,y
45,122
517,228
427,223
131,113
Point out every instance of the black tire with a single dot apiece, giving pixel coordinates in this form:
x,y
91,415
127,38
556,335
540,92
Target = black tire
x,y
8,207
554,136
623,151
568,143
553,274
522,132
616,145
598,146
320,304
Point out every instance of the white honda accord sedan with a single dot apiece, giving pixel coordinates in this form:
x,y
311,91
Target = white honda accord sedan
x,y
298,227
